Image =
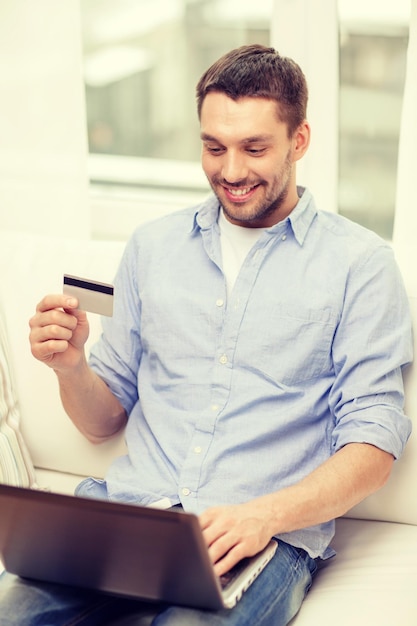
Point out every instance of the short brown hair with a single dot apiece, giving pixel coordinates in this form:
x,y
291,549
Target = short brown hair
x,y
258,71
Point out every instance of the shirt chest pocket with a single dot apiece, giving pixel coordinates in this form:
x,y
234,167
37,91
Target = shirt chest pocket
x,y
292,344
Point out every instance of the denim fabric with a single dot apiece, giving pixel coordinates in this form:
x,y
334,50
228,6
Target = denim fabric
x,y
273,599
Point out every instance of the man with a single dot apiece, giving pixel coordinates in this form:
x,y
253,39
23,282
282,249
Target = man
x,y
254,355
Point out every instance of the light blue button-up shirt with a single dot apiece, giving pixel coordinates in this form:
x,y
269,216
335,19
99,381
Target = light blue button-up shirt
x,y
232,398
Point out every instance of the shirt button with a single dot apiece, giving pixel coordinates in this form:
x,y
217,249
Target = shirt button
x,y
214,407
223,359
185,491
219,302
283,238
197,449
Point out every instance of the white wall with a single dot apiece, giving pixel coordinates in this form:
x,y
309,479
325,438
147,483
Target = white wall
x,y
296,29
405,224
43,142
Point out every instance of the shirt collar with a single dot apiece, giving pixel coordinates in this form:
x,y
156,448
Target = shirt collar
x,y
303,215
300,218
206,214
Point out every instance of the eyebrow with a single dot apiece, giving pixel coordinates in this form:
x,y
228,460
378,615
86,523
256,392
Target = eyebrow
x,y
247,140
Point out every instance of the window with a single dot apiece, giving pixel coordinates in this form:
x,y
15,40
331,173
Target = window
x,y
142,59
373,48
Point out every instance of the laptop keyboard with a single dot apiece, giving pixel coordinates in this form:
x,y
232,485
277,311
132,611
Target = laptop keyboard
x,y
233,573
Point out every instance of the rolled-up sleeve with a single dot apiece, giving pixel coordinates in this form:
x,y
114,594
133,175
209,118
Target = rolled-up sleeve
x,y
117,354
372,345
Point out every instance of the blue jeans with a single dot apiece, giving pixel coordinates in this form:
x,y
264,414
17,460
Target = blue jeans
x,y
272,600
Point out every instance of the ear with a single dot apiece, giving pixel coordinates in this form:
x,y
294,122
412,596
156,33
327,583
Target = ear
x,y
301,140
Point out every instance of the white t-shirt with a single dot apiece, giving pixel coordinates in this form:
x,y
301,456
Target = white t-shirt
x,y
236,241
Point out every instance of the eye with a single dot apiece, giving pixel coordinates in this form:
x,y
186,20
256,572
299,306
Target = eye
x,y
255,151
215,150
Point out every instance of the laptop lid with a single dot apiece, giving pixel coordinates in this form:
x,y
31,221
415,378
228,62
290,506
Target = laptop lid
x,y
125,549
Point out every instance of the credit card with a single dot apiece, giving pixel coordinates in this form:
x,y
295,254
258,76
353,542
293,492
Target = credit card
x,y
92,295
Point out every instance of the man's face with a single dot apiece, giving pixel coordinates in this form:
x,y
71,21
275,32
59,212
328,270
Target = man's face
x,y
249,159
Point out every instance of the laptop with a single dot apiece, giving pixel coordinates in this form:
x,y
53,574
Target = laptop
x,y
124,549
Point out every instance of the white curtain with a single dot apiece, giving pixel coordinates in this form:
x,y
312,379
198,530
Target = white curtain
x,y
43,143
405,223
308,32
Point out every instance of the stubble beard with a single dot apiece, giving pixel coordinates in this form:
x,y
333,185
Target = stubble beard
x,y
267,207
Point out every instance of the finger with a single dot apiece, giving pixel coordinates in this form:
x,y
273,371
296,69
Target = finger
x,y
214,526
45,340
51,332
56,301
56,317
206,518
221,546
50,311
229,560
218,516
47,349
60,331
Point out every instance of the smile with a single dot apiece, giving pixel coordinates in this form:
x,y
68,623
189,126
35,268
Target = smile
x,y
240,193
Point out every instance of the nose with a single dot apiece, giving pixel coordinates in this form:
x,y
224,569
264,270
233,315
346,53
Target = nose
x,y
234,168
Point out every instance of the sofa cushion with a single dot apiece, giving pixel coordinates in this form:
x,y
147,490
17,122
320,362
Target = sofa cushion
x,y
16,467
371,580
30,267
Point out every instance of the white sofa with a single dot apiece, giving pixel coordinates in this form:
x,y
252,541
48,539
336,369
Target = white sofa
x,y
373,579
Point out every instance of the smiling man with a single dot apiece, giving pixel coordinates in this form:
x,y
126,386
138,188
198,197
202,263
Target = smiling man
x,y
249,157
255,355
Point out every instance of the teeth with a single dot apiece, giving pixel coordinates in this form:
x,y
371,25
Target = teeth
x,y
240,192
